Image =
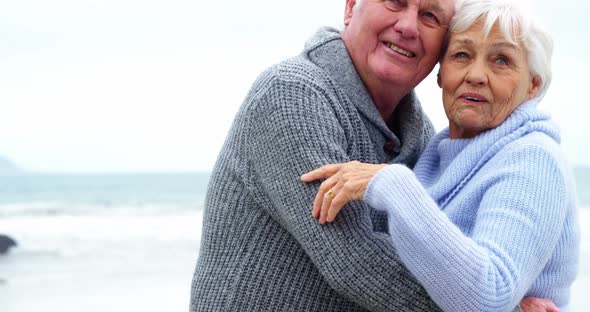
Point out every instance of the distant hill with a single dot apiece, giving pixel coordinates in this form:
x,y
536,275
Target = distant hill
x,y
8,167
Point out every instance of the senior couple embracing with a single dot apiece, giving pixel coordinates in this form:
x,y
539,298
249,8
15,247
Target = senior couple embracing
x,y
479,217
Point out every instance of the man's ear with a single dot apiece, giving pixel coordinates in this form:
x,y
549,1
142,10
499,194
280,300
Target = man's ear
x,y
348,11
438,80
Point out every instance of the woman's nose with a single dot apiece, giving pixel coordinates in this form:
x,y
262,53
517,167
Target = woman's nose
x,y
476,74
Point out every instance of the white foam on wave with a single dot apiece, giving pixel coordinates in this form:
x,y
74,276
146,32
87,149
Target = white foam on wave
x,y
74,235
30,208
100,256
57,208
99,263
65,232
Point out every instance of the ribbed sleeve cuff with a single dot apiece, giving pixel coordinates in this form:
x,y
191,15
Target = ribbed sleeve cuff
x,y
394,184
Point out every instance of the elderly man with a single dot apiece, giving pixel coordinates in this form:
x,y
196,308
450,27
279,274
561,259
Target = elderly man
x,y
347,96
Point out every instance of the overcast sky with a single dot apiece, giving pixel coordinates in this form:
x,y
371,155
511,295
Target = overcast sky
x,y
153,85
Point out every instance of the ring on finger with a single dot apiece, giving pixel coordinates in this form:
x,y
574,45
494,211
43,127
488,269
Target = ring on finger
x,y
331,194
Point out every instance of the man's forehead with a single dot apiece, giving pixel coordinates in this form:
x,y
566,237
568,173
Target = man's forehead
x,y
444,8
441,6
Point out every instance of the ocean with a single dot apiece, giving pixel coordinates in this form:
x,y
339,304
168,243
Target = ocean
x,y
126,242
100,242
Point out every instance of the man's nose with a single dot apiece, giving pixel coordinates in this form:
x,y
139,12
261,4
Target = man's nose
x,y
407,24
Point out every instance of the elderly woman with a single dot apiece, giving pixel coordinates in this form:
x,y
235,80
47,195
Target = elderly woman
x,y
488,215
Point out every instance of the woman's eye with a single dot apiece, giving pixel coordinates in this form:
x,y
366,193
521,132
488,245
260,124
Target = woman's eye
x,y
501,60
461,55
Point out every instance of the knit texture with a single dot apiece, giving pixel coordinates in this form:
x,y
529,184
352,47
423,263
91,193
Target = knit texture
x,y
261,250
483,222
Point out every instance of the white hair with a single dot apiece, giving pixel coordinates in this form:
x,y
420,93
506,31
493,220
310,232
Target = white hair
x,y
358,4
517,25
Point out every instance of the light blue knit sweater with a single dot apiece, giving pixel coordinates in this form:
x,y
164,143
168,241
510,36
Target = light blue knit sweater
x,y
483,222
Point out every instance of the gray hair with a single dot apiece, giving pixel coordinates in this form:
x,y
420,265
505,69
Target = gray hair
x,y
516,25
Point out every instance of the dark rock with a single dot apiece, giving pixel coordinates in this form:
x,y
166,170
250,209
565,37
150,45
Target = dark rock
x,y
6,242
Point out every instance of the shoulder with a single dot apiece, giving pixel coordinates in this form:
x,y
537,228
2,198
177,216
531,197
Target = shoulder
x,y
293,86
538,156
534,145
297,72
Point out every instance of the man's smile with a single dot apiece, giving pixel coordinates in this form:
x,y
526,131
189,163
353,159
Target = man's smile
x,y
399,49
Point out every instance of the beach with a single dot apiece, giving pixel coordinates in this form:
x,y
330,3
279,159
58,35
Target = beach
x,y
580,298
130,263
123,263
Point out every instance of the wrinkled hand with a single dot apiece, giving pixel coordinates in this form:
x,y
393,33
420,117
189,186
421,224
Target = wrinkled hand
x,y
532,304
344,183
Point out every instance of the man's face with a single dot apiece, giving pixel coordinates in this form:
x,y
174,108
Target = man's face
x,y
395,43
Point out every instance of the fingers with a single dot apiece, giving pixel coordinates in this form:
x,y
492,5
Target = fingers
x,y
532,304
550,306
326,205
345,182
336,205
318,202
332,205
321,172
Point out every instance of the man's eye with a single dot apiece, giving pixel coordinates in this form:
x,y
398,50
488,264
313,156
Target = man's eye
x,y
431,17
394,5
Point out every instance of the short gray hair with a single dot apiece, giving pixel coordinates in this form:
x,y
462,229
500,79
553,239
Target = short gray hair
x,y
517,25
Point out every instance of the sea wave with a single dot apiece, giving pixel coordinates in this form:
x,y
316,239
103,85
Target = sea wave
x,y
50,236
61,208
63,234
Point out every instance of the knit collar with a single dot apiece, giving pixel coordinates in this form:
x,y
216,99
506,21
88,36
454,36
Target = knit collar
x,y
458,160
327,50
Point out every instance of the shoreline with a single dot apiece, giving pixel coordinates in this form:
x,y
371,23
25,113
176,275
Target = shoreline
x,y
127,263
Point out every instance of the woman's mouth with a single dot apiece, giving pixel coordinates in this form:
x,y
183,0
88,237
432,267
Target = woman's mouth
x,y
473,98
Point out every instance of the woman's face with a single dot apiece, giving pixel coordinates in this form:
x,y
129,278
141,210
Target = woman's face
x,y
483,80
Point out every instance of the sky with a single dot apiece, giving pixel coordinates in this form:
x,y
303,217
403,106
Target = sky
x,y
153,85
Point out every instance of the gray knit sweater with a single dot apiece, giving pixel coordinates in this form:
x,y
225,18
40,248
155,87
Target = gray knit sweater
x,y
261,250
